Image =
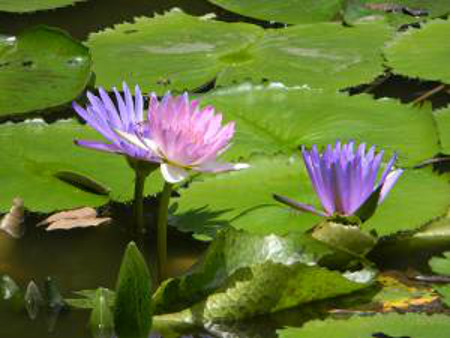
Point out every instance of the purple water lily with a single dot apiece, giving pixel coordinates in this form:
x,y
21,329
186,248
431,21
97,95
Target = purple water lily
x,y
344,179
183,137
106,117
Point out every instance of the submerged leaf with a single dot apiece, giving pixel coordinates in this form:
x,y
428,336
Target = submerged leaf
x,y
88,297
33,300
102,320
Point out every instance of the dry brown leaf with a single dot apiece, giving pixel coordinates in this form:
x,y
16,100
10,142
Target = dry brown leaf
x,y
81,213
67,224
77,218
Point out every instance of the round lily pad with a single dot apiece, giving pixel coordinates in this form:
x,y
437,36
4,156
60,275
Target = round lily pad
x,y
244,200
41,68
422,53
277,118
34,154
23,6
180,52
288,11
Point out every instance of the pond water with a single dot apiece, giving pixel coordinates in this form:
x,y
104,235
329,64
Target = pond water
x,y
90,258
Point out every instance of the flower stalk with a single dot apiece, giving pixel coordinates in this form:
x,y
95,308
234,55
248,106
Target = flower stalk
x,y
162,230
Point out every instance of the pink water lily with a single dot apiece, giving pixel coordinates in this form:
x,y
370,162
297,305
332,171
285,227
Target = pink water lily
x,y
183,137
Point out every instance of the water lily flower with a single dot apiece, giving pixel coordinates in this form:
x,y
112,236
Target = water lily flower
x,y
106,117
125,114
345,179
183,137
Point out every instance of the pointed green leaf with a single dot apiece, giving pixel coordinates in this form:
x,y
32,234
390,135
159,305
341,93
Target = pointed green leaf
x,y
133,304
102,320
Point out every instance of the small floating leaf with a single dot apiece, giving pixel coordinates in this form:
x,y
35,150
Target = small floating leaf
x,y
133,305
83,182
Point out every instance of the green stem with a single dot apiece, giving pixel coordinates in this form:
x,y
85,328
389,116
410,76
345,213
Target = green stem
x,y
162,230
139,183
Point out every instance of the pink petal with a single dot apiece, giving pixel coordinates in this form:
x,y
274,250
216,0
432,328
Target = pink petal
x,y
216,167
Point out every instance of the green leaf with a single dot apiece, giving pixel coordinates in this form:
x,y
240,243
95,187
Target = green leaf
x,y
233,250
344,237
88,297
45,66
244,200
288,11
180,52
441,265
443,123
175,51
230,282
418,197
23,6
392,325
275,118
102,321
133,305
30,166
421,53
246,294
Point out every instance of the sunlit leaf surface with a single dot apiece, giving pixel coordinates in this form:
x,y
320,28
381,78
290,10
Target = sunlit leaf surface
x,y
33,152
422,53
177,51
41,68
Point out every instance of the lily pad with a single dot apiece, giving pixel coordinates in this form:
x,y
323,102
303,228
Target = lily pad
x,y
391,325
443,123
290,11
397,12
39,151
42,67
233,276
23,6
422,53
244,200
179,52
280,119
